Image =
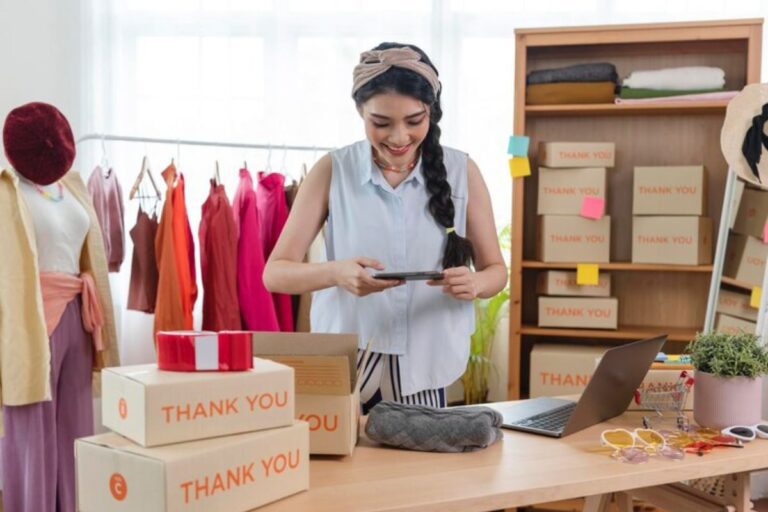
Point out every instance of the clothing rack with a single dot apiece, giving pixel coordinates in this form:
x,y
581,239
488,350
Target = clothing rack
x,y
186,142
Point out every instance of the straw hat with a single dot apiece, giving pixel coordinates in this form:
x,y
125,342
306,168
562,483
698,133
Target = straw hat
x,y
744,111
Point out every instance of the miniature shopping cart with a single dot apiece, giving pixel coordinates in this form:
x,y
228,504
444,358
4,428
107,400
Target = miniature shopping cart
x,y
667,400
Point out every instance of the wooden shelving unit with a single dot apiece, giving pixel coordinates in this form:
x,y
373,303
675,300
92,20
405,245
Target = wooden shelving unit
x,y
624,332
738,284
618,266
612,109
653,299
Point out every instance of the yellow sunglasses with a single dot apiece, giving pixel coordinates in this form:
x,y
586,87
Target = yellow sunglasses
x,y
643,437
636,446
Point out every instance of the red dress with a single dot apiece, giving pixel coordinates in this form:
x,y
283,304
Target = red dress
x,y
218,263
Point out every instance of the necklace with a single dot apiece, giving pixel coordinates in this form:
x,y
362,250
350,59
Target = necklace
x,y
48,195
392,168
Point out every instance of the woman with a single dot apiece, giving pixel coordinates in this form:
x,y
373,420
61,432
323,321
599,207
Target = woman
x,y
402,202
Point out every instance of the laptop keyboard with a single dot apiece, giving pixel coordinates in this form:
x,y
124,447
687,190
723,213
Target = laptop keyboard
x,y
553,420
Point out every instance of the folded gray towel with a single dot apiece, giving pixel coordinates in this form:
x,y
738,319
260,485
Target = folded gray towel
x,y
417,427
593,72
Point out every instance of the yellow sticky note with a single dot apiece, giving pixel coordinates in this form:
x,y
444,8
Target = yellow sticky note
x,y
587,274
754,300
519,167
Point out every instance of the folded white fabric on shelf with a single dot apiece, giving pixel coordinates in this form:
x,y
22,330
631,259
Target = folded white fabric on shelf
x,y
677,79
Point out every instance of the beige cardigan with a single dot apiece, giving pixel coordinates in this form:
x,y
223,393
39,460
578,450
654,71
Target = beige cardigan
x,y
24,352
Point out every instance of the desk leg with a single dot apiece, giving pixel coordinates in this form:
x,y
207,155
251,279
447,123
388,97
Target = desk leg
x,y
597,503
738,492
623,502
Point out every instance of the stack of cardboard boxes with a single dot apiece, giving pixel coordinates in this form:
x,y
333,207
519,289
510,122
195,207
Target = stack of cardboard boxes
x,y
745,261
669,224
573,228
327,387
194,441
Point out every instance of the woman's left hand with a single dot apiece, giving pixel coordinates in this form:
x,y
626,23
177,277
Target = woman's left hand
x,y
460,282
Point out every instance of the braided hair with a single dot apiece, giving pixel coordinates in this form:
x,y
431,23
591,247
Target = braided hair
x,y
458,250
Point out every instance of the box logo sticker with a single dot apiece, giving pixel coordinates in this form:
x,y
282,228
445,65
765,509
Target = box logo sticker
x,y
118,487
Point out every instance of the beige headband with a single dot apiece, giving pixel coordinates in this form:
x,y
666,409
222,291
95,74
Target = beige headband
x,y
377,62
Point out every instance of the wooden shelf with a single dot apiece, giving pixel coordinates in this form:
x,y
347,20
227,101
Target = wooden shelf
x,y
624,332
663,133
738,284
609,109
623,266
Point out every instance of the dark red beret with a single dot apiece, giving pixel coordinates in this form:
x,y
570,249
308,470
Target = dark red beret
x,y
38,142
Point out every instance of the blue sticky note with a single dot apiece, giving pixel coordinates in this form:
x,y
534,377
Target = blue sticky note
x,y
518,145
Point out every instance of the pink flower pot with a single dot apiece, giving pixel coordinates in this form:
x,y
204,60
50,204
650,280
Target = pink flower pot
x,y
720,402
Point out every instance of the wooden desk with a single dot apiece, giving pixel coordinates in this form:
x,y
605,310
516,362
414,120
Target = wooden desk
x,y
522,469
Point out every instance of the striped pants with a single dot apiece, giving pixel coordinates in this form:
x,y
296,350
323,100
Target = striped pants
x,y
381,381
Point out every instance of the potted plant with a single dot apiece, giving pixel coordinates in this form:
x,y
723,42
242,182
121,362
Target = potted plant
x,y
728,388
488,312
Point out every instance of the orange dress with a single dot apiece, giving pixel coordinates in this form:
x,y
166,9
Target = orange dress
x,y
176,289
184,252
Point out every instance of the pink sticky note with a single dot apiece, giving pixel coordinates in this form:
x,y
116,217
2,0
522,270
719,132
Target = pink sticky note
x,y
765,232
593,207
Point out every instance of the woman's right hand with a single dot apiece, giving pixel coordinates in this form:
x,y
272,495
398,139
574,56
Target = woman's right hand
x,y
351,275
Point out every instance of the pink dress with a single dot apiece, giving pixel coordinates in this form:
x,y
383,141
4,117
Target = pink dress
x,y
256,306
273,212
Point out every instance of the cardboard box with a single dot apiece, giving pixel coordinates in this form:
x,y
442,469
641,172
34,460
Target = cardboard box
x,y
670,190
572,238
672,240
736,304
558,370
753,213
745,259
731,325
327,391
562,191
563,283
332,422
234,473
602,313
577,154
154,407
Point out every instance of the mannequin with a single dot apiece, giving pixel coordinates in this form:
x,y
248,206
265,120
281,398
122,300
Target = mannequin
x,y
56,322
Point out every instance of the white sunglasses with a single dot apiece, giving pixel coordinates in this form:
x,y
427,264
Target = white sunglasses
x,y
746,433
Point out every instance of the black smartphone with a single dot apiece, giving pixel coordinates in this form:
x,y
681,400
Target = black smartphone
x,y
410,276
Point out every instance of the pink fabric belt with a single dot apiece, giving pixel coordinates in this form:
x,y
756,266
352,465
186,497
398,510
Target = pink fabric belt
x,y
59,289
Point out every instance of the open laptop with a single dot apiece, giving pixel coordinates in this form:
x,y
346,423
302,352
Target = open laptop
x,y
620,372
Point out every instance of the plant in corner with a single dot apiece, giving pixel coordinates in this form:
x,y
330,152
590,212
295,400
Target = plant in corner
x,y
728,388
487,316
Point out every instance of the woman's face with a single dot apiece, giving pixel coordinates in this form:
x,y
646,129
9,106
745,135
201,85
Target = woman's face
x,y
396,125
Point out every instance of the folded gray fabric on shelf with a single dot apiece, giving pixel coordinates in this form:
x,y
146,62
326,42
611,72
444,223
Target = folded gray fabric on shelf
x,y
592,72
417,427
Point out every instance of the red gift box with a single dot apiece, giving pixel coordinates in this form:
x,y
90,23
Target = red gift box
x,y
196,351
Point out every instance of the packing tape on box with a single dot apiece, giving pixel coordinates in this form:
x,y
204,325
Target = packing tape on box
x,y
195,351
